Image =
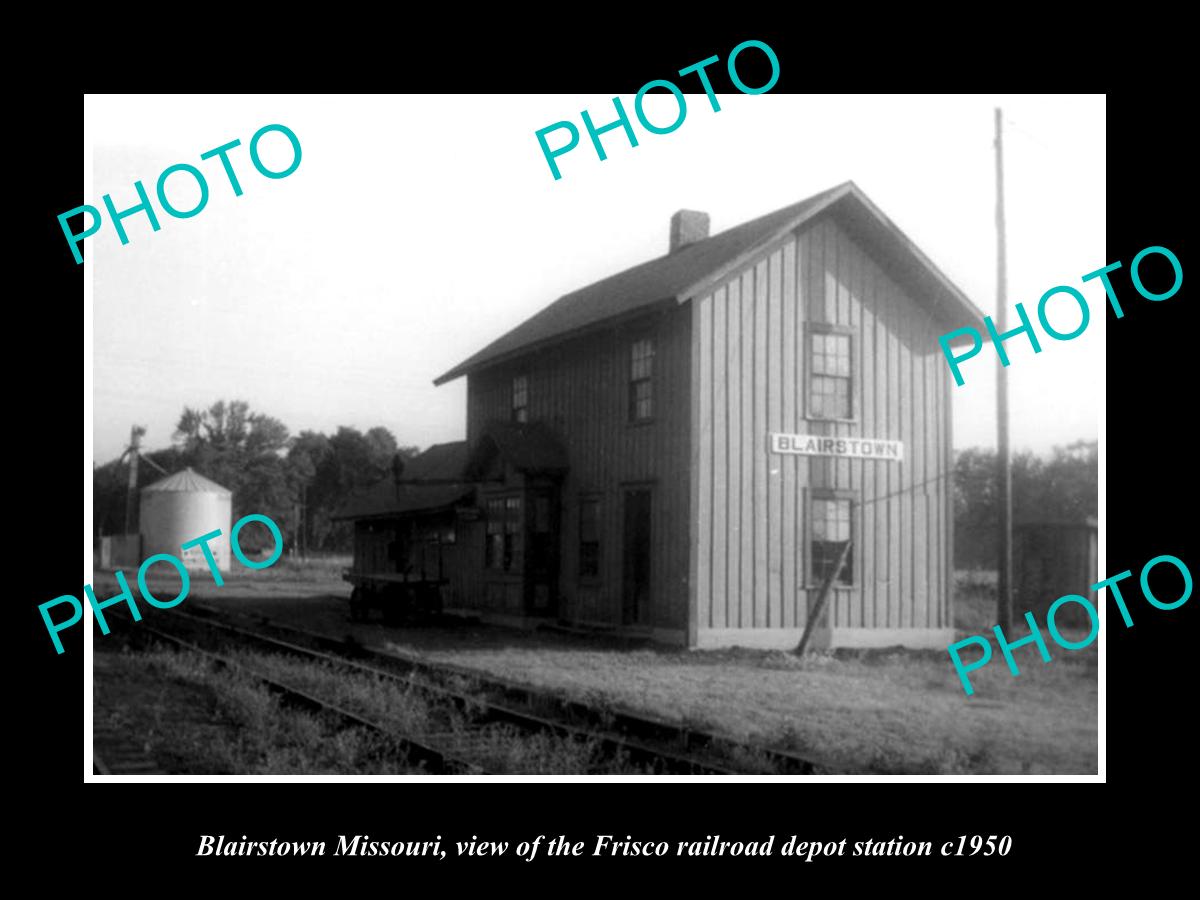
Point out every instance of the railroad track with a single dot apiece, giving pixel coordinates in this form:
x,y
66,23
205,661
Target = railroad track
x,y
663,747
449,745
114,750
442,760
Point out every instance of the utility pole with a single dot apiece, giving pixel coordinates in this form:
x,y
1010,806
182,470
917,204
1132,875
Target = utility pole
x,y
304,521
135,439
1004,461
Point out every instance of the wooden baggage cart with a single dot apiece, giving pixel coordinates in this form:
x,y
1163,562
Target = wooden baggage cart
x,y
398,595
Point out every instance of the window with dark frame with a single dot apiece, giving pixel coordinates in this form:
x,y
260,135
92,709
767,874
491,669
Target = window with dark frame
x,y
831,528
830,383
589,537
641,372
503,551
520,398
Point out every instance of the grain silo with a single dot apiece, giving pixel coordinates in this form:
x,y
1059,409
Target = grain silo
x,y
181,508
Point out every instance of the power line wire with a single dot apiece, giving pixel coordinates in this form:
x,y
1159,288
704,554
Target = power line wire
x,y
911,487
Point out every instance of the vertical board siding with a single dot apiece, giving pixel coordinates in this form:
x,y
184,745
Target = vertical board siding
x,y
787,464
835,283
917,479
720,454
774,423
746,604
817,466
877,512
946,483
753,505
579,389
759,437
866,470
730,542
933,495
906,467
850,262
704,346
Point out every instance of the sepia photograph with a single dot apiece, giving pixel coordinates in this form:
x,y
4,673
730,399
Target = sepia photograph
x,y
424,444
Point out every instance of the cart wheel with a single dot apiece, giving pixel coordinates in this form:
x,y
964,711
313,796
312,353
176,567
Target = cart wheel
x,y
393,612
358,607
430,601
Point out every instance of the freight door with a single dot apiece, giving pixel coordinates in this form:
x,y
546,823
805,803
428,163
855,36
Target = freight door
x,y
541,574
636,559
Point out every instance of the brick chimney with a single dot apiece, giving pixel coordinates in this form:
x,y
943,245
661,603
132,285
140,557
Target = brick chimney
x,y
687,227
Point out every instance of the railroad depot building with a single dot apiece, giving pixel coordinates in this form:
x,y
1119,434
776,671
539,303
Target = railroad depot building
x,y
680,451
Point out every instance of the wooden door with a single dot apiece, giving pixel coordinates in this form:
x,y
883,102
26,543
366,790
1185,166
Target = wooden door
x,y
541,573
636,558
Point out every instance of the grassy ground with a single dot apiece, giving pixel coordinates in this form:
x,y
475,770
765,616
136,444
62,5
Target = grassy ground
x,y
499,749
901,711
191,718
194,720
975,600
897,711
323,569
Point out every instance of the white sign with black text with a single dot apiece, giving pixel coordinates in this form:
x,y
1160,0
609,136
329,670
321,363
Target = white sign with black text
x,y
818,445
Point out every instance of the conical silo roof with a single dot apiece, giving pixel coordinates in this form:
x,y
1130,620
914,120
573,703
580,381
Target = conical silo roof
x,y
187,482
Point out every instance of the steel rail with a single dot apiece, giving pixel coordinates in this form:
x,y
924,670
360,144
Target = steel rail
x,y
632,730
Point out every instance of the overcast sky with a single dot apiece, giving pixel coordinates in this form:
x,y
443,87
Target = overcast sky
x,y
419,228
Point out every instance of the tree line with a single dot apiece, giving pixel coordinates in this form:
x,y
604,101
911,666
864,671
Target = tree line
x,y
301,480
1061,488
298,480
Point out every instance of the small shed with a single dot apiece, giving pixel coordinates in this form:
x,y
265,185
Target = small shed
x,y
1052,558
180,508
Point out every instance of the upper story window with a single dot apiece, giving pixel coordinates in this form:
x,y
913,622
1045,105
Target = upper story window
x,y
641,372
830,382
520,398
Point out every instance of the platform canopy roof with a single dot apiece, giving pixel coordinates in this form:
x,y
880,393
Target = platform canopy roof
x,y
431,481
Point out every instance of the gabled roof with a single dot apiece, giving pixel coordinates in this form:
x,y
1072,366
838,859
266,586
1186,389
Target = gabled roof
x,y
527,447
440,467
676,277
187,482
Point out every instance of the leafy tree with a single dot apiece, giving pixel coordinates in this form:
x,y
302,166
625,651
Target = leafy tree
x,y
344,464
300,481
230,427
243,451
1061,488
306,453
